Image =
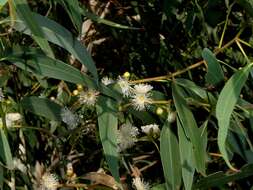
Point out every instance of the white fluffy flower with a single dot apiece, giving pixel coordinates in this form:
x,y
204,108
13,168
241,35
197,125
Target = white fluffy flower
x,y
49,182
141,97
140,184
141,101
1,95
11,119
127,136
150,129
88,97
69,118
142,88
106,81
125,86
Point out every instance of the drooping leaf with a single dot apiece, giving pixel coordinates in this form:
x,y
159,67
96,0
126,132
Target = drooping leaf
x,y
225,105
5,151
220,178
186,157
42,107
108,124
190,128
60,36
169,151
26,16
214,73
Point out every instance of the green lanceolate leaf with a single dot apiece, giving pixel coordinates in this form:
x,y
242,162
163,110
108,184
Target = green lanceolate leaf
x,y
220,178
186,157
169,151
108,124
214,73
42,107
60,36
5,151
190,128
225,105
27,18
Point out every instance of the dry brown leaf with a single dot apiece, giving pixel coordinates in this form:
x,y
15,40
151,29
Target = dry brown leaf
x,y
101,178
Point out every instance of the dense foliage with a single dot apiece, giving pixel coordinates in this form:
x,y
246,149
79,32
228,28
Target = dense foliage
x,y
126,94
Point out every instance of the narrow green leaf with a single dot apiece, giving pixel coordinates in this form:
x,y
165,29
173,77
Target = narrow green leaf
x,y
26,16
42,107
214,73
186,157
190,128
60,36
220,178
225,105
169,151
5,151
108,124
